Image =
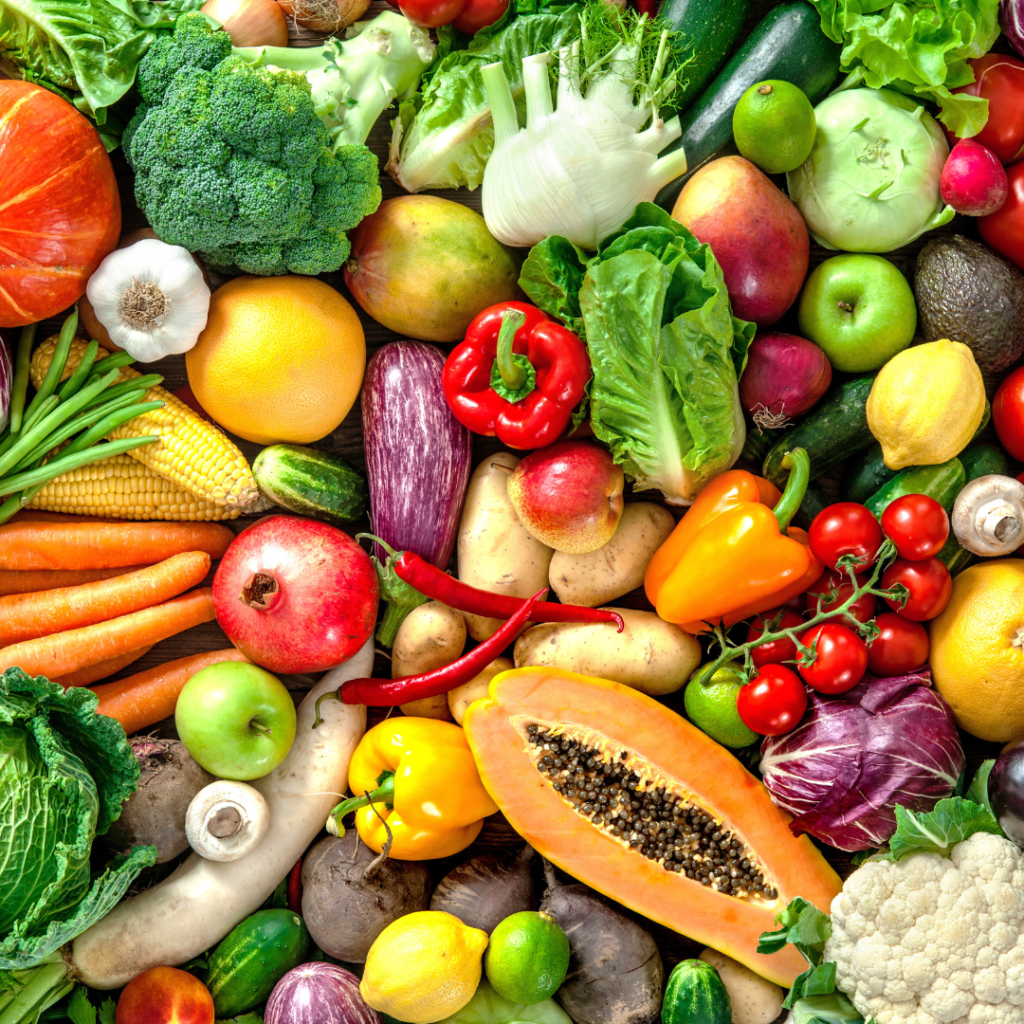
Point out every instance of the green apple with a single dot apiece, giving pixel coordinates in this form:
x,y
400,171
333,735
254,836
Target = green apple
x,y
236,720
860,310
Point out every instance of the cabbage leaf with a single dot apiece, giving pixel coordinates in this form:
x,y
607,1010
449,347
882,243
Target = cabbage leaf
x,y
487,1007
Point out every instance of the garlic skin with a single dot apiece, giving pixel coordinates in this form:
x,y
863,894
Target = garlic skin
x,y
151,298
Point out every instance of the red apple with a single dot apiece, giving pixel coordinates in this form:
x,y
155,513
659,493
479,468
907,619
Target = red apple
x,y
165,995
569,496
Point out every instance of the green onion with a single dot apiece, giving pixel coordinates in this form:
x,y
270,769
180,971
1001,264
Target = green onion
x,y
20,386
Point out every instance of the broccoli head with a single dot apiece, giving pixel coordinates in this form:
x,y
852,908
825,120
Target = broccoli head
x,y
236,159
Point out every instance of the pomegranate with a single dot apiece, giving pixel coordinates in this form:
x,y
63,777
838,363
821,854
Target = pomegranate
x,y
296,595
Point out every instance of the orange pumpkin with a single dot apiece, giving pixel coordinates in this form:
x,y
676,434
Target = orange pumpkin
x,y
60,212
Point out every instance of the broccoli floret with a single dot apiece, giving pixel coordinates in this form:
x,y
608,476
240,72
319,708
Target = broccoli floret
x,y
254,158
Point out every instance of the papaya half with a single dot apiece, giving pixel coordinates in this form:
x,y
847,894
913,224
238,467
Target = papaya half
x,y
631,799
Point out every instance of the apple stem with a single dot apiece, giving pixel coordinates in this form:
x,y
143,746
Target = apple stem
x,y
259,727
845,306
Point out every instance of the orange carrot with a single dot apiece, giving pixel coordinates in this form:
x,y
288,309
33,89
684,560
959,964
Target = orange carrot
x,y
31,581
93,674
60,654
30,616
149,697
73,545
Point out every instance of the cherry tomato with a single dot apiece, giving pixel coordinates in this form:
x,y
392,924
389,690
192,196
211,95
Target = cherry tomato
x,y
862,610
841,658
929,583
999,79
773,702
1008,414
431,13
776,651
900,647
478,14
917,525
845,528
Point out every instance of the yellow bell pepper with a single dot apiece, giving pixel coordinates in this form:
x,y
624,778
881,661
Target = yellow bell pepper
x,y
418,776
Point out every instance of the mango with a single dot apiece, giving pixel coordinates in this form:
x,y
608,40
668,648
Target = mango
x,y
165,995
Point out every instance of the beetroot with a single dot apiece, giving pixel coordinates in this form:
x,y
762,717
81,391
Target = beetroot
x,y
973,180
296,595
785,376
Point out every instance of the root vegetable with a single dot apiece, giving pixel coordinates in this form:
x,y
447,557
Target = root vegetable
x,y
785,376
326,15
154,815
351,894
431,636
753,999
482,891
226,820
462,696
617,568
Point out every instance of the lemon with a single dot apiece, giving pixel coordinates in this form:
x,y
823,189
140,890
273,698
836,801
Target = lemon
x,y
774,127
527,958
977,650
926,403
423,967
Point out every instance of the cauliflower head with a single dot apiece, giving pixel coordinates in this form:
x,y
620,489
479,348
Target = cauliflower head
x,y
934,940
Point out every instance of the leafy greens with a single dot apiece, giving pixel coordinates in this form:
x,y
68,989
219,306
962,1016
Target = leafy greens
x,y
665,349
937,831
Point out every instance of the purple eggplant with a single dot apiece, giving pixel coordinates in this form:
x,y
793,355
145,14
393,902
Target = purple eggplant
x,y
318,993
418,459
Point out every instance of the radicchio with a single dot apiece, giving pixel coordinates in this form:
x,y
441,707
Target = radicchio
x,y
856,755
1011,19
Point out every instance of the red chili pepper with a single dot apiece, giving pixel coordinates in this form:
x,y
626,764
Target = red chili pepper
x,y
439,586
517,376
390,692
295,888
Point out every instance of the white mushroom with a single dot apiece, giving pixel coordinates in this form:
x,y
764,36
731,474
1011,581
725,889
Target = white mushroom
x,y
988,517
226,820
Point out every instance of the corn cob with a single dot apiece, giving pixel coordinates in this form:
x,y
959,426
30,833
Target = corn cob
x,y
124,488
192,453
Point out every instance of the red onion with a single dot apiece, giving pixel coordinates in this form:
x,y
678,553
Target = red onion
x,y
318,993
785,376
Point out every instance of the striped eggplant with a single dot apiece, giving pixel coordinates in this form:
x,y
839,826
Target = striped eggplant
x,y
418,459
318,993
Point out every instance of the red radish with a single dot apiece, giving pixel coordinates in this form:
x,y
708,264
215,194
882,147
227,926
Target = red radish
x,y
296,595
973,180
785,376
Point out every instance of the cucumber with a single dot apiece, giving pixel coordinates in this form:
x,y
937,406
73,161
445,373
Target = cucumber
x,y
311,483
865,475
253,958
834,430
695,994
815,501
983,460
757,444
789,45
943,483
711,28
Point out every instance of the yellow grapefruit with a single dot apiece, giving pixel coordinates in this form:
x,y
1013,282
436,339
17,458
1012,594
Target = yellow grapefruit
x,y
280,359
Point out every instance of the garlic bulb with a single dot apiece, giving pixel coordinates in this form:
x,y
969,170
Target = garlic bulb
x,y
578,171
151,298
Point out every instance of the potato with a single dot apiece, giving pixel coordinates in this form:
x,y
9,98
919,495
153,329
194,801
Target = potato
x,y
650,654
617,568
754,1000
432,635
495,551
462,696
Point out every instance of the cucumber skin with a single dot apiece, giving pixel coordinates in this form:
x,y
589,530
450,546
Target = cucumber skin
x,y
943,483
253,958
695,994
866,475
789,45
834,430
311,482
978,460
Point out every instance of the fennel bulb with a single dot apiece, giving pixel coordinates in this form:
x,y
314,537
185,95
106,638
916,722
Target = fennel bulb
x,y
579,170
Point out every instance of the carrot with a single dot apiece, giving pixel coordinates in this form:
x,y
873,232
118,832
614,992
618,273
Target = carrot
x,y
60,654
146,698
32,581
30,616
93,674
73,545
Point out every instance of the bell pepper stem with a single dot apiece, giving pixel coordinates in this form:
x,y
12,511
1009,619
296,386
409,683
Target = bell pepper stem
x,y
383,794
798,463
513,376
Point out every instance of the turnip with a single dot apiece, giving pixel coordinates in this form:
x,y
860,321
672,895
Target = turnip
x,y
973,180
203,900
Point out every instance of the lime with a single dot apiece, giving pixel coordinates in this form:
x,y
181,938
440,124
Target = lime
x,y
773,125
527,957
711,707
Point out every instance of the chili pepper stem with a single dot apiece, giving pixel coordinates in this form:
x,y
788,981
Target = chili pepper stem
x,y
398,596
513,376
384,793
798,463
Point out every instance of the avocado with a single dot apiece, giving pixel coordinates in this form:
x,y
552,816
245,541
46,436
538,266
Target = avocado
x,y
966,292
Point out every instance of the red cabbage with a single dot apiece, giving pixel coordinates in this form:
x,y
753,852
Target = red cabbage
x,y
318,993
855,756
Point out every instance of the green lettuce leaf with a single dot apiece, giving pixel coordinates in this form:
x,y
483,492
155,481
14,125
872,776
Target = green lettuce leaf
x,y
920,48
937,831
551,276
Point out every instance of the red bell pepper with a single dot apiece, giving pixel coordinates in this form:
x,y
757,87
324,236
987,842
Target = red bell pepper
x,y
1004,229
517,376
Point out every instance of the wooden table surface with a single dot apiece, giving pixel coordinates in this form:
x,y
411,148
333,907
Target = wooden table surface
x,y
346,441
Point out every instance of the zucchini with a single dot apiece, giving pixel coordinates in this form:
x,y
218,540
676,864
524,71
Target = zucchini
x,y
983,460
311,482
943,483
789,45
815,501
833,430
711,28
757,444
695,994
253,957
865,475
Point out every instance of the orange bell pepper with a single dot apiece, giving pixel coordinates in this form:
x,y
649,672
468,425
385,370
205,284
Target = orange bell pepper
x,y
732,556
